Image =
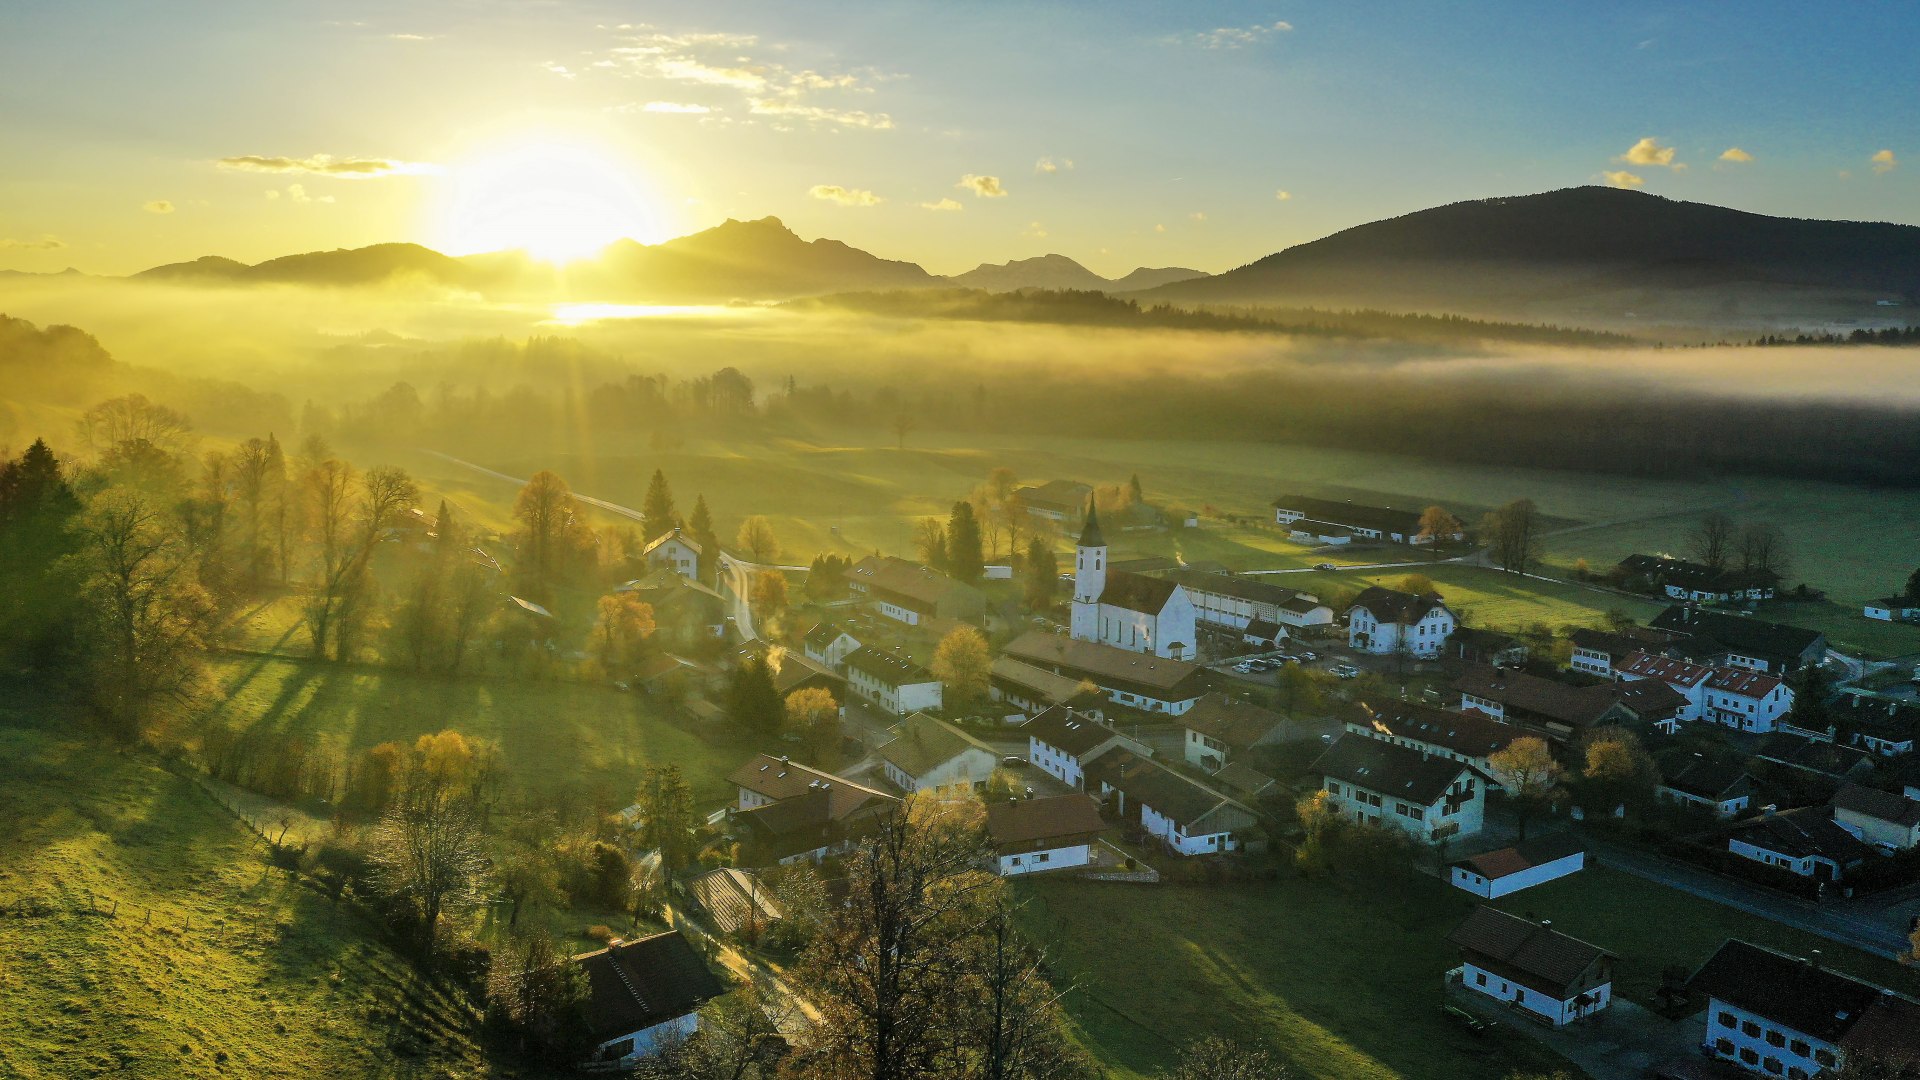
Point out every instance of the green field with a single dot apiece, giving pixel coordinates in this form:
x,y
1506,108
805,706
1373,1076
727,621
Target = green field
x,y
214,964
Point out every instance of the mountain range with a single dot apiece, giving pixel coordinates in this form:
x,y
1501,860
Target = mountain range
x,y
1600,256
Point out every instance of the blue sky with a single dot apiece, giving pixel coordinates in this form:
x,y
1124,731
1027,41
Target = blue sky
x,y
1121,134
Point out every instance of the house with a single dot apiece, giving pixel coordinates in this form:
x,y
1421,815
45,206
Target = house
x,y
685,610
1431,797
1742,641
1366,522
1187,816
675,551
1030,689
735,900
766,779
1722,788
1599,652
1550,977
1055,500
1032,836
1318,533
1245,784
642,996
1221,725
1128,611
1653,703
910,593
1262,634
1233,602
1495,874
1142,681
891,681
1880,818
1883,726
1806,842
1489,648
1737,697
1550,708
821,821
1061,741
1819,756
1384,620
1893,609
1695,582
1779,1015
828,643
792,672
933,755
1470,737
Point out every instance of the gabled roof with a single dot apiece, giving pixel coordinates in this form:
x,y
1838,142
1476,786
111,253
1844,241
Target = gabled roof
x,y
886,668
1393,606
1389,769
1471,733
1138,592
1025,821
824,634
1524,855
1056,494
673,534
1808,831
1173,795
1068,730
1874,803
1249,589
780,778
912,581
734,898
1703,778
1814,755
1672,672
1533,954
1240,780
797,669
1232,720
925,744
1107,664
1381,518
1741,634
634,985
1742,682
1789,991
1650,699
1055,689
1618,643
1576,706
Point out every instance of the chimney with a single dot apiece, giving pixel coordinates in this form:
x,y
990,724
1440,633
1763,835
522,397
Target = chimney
x,y
1813,959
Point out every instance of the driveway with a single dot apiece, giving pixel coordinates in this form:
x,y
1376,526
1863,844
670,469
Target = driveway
x,y
1624,1041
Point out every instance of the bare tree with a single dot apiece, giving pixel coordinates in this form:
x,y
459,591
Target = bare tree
x,y
428,856
903,425
1763,551
1215,1058
1712,540
134,419
1512,535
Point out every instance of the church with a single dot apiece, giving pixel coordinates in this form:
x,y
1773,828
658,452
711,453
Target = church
x,y
1128,611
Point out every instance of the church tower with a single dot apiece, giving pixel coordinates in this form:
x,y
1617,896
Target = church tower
x,y
1089,578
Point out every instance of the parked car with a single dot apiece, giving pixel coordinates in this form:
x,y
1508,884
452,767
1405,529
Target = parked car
x,y
1308,655
1325,566
1244,667
1346,671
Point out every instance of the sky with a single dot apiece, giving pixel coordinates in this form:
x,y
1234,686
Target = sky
x,y
1120,133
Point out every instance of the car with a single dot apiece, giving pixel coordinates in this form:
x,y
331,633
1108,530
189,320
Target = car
x,y
1244,667
1325,566
1309,655
1345,671
1013,761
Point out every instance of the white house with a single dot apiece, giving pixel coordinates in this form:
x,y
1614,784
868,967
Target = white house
x,y
766,779
1366,522
1531,966
891,681
1782,1016
1061,741
1380,783
1471,737
1736,697
1723,789
933,755
1494,874
1236,602
1032,836
828,644
1893,609
1127,610
642,996
1881,818
1382,619
1221,726
676,552
1318,533
1187,816
1140,680
1806,842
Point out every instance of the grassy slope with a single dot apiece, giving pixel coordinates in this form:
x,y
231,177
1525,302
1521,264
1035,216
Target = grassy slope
x,y
236,961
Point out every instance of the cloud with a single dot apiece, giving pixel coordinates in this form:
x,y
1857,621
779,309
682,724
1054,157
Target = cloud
x,y
273,193
1159,228
158,206
1233,37
1735,155
674,107
326,165
298,193
944,205
844,117
1623,179
413,37
1884,162
45,243
1648,151
834,193
726,61
1283,195
1036,230
1049,165
559,69
985,187
1198,216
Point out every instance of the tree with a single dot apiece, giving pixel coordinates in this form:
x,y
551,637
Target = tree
x,y
700,524
427,857
1418,585
1041,575
1529,774
1712,539
814,716
965,562
328,488
1763,551
656,513
1134,493
1437,526
667,819
1616,770
39,588
752,701
1215,1058
756,539
1300,688
620,633
544,509
767,596
963,665
1809,709
536,993
930,540
134,419
1512,535
903,425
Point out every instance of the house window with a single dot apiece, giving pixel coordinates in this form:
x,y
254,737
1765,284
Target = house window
x,y
1727,1020
1480,978
1824,1058
1749,1055
1775,1038
1750,1029
1799,1047
1773,1065
1723,1046
1043,856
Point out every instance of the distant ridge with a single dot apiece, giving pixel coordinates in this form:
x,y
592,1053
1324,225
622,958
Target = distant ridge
x,y
1060,272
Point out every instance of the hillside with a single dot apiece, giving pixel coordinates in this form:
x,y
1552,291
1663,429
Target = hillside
x,y
760,259
1583,253
1057,272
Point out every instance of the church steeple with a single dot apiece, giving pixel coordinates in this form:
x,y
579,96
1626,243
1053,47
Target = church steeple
x,y
1089,577
1090,534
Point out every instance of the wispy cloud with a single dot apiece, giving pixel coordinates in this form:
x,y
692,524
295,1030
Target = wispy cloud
x,y
158,206
733,62
845,196
1735,155
675,107
986,187
1036,230
1233,37
1159,228
1283,195
349,168
1648,151
1884,162
845,117
1198,217
298,193
1047,165
944,205
1624,179
45,243
413,37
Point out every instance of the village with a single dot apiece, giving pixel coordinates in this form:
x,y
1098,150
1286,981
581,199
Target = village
x,y
1139,721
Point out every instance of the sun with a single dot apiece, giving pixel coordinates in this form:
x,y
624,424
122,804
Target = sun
x,y
556,199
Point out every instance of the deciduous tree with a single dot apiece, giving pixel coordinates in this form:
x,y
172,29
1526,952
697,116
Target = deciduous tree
x,y
963,665
757,541
1530,775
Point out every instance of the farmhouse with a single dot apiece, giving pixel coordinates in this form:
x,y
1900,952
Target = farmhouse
x,y
1061,742
1055,500
685,611
1367,522
767,779
1554,709
910,593
1740,641
1128,611
1384,620
1695,582
1880,818
1893,609
828,643
1222,725
1806,842
1473,646
1233,602
1778,1015
1030,689
1129,678
1376,782
891,681
1187,816
1549,976
1722,788
642,996
1469,737
1600,652
1736,697
807,827
792,671
933,755
1031,836
675,551
1820,756
1495,874
1319,533
1883,726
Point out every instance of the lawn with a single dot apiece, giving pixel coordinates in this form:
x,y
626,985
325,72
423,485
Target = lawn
x,y
214,964
1487,598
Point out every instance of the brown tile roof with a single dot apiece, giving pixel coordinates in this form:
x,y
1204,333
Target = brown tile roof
x,y
1024,821
1106,662
1393,606
1807,832
633,985
1666,669
1148,783
1240,780
887,668
927,588
780,778
1041,683
1525,855
1232,720
1069,730
1537,956
1787,990
926,743
1389,769
1578,706
1471,733
1889,1029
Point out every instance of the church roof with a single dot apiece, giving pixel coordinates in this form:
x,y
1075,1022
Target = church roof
x,y
1090,536
1137,592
